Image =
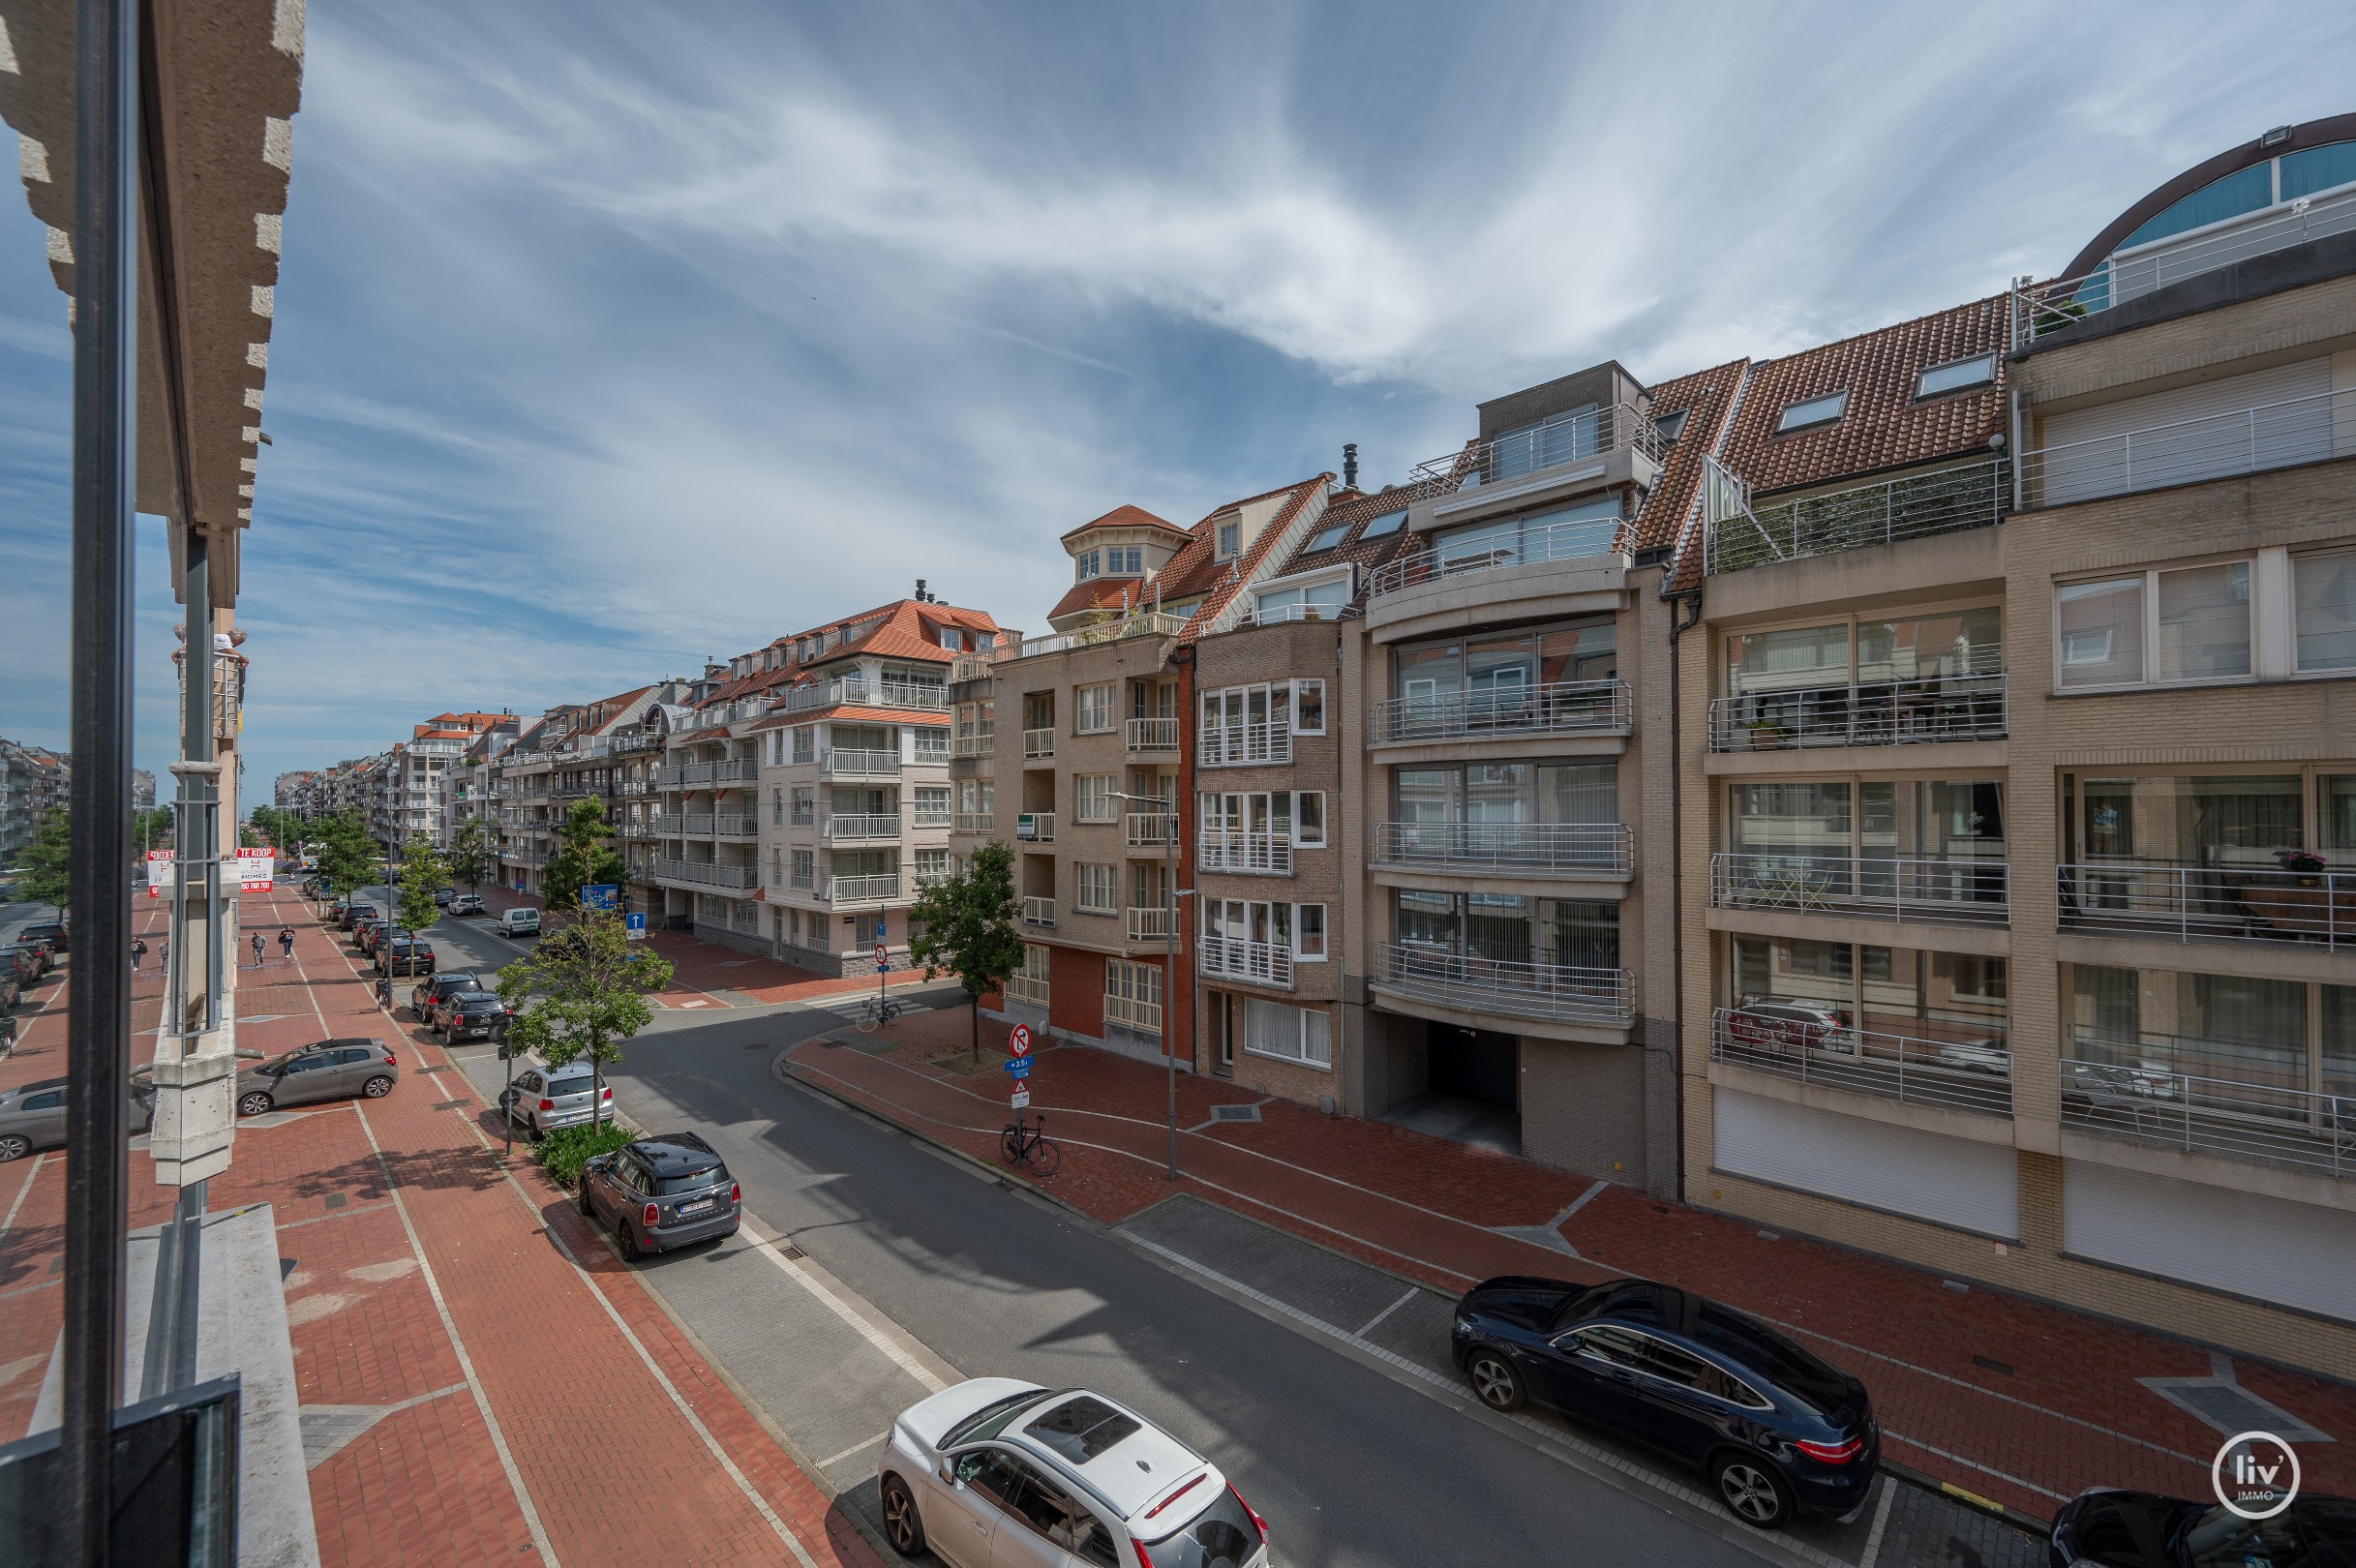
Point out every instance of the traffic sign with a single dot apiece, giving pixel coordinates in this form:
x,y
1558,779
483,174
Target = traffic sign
x,y
634,927
1019,1040
1017,1066
882,955
601,895
879,931
1021,1097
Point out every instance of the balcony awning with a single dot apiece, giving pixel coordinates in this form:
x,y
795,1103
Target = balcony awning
x,y
228,78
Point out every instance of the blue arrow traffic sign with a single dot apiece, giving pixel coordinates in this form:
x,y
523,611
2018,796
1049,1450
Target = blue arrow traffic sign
x,y
1018,1066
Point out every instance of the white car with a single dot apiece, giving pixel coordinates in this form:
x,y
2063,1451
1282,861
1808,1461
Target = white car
x,y
998,1473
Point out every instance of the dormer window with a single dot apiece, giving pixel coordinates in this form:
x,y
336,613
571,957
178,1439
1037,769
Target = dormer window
x,y
1230,539
1671,425
1825,410
1956,377
1090,565
949,639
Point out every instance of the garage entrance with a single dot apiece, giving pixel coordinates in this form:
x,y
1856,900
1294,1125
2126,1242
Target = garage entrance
x,y
1472,1093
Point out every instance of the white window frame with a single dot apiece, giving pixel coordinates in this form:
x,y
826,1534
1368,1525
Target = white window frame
x,y
1298,841
1100,785
1301,952
2261,613
1080,878
1089,563
806,744
1987,376
1298,687
1786,421
1229,540
1108,710
2346,552
1299,1057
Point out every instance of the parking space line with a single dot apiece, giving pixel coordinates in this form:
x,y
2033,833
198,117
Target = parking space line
x,y
32,1173
856,1448
1881,1522
1374,1323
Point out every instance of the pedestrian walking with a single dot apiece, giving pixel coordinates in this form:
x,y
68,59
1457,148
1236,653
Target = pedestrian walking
x,y
139,950
257,949
164,955
285,942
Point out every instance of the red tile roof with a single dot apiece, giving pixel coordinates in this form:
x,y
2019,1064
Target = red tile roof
x,y
1096,593
904,629
1353,510
1884,426
1703,398
1124,517
1196,569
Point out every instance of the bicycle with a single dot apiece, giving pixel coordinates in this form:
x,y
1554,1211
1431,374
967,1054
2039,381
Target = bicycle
x,y
1029,1145
873,1011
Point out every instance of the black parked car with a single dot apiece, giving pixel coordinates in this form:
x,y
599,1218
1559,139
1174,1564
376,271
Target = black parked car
x,y
2143,1529
472,1015
404,956
1777,1431
428,995
52,932
664,1190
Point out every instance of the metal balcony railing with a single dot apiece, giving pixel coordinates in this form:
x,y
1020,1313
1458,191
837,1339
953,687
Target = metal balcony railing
x,y
976,743
1876,713
863,691
1262,963
863,889
1146,623
1973,1074
1152,925
1025,988
926,817
1243,851
698,823
1532,453
1153,735
1976,495
1034,828
704,873
2214,447
845,825
727,825
1132,1012
1038,911
1280,614
2041,308
1573,848
1521,990
736,771
1557,707
685,775
843,763
1233,745
2257,1122
974,822
2210,903
1960,888
1152,827
1551,541
1038,744
669,824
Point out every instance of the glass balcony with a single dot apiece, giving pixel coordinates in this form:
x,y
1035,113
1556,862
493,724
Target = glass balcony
x,y
1557,707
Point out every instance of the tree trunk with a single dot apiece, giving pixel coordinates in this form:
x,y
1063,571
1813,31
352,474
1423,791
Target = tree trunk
x,y
973,1000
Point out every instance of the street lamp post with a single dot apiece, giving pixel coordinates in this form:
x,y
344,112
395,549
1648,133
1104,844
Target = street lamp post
x,y
1169,808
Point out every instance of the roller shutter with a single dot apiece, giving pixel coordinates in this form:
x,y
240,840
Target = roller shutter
x,y
2236,425
1972,1186
2247,1243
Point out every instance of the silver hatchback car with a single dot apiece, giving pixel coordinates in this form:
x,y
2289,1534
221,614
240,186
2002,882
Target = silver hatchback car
x,y
329,1070
543,1098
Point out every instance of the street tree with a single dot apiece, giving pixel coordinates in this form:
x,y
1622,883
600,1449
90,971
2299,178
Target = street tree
x,y
347,854
582,993
584,857
964,925
471,857
45,873
423,873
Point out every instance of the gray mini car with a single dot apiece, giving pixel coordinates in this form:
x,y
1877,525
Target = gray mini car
x,y
665,1190
330,1069
33,1115
544,1098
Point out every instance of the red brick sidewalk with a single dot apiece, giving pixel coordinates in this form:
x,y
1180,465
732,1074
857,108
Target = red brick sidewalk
x,y
2059,1410
481,1344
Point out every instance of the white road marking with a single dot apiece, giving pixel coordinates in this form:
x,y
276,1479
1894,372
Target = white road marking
x,y
1375,1321
1881,1522
841,1308
22,1193
855,1448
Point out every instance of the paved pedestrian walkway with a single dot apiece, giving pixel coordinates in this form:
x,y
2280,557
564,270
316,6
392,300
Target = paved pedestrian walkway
x,y
481,1379
2007,1399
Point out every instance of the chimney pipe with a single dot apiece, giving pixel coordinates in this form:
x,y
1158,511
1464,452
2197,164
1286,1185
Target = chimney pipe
x,y
920,595
1349,466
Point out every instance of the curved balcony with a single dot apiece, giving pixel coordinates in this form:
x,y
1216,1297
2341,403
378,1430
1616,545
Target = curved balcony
x,y
1556,993
1556,708
1564,848
1962,890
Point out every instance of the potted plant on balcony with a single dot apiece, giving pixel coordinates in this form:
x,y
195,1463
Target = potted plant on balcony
x,y
2303,864
1765,734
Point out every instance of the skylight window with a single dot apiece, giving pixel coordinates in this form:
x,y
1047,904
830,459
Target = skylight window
x,y
1963,372
1824,410
1671,425
1387,522
1327,538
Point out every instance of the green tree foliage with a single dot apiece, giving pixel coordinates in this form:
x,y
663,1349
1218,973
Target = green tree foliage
x,y
471,860
47,859
150,829
347,854
423,872
964,925
580,993
583,858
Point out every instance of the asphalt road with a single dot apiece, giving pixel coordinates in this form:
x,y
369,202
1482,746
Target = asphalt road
x,y
1350,1465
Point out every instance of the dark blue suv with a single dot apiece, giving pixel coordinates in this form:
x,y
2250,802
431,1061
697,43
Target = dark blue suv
x,y
1776,1430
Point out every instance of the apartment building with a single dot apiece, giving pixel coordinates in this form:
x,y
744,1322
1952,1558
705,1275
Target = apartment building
x,y
527,801
805,793
32,779
2019,774
1094,788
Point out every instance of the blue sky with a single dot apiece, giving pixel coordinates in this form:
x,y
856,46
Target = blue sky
x,y
612,337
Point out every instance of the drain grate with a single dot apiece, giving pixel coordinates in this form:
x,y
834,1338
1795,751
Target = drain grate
x,y
1993,1365
447,1104
1236,1113
2231,1409
789,1249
